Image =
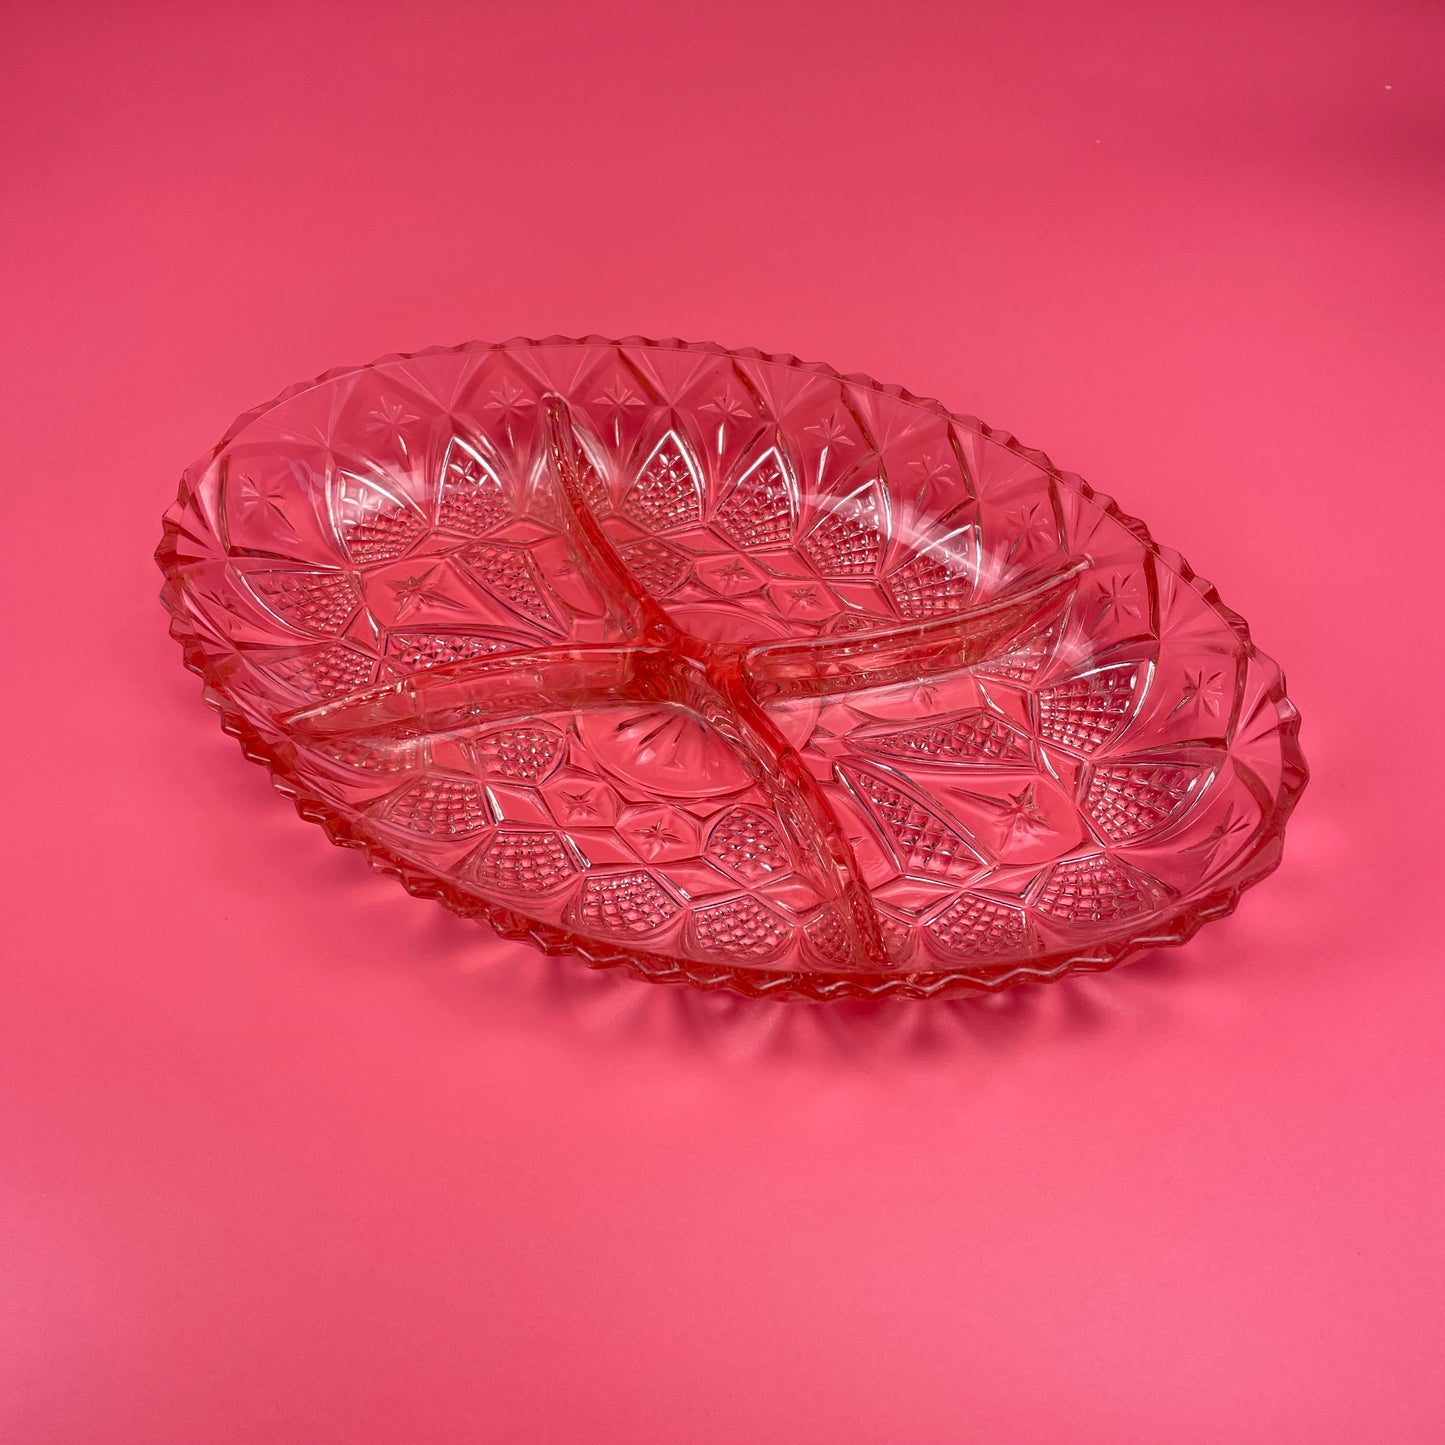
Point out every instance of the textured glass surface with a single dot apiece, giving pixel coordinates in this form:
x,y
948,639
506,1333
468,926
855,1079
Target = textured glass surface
x,y
726,668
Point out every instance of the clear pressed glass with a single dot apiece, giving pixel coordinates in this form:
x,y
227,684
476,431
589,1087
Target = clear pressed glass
x,y
728,669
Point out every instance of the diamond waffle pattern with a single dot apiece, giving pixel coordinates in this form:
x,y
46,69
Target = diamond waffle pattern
x,y
975,736
848,542
417,650
924,587
660,568
1085,712
523,860
740,928
472,500
759,511
667,493
319,602
373,526
746,844
976,925
522,754
925,844
626,903
1096,890
1132,800
442,807
507,573
325,672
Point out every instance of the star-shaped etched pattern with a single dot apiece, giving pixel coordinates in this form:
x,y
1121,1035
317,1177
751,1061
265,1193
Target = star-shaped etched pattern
x,y
727,408
831,431
617,399
1032,531
391,412
509,400
613,404
1021,812
264,502
389,418
419,591
578,804
931,471
734,572
1202,693
656,838
1120,596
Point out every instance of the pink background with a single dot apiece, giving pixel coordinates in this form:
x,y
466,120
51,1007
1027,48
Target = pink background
x,y
288,1157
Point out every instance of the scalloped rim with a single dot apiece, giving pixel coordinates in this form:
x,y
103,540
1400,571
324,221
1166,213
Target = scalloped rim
x,y
757,983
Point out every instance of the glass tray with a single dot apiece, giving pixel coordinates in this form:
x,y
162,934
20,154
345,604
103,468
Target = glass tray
x,y
728,669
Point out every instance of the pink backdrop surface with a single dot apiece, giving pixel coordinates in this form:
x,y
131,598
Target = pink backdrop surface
x,y
286,1156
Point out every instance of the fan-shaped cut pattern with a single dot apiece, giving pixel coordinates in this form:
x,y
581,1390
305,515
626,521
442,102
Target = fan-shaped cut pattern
x,y
1085,712
974,925
668,491
1133,798
310,601
323,672
925,844
372,522
977,735
470,498
849,540
440,806
758,511
510,575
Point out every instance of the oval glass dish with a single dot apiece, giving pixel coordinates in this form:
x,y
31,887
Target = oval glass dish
x,y
728,669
